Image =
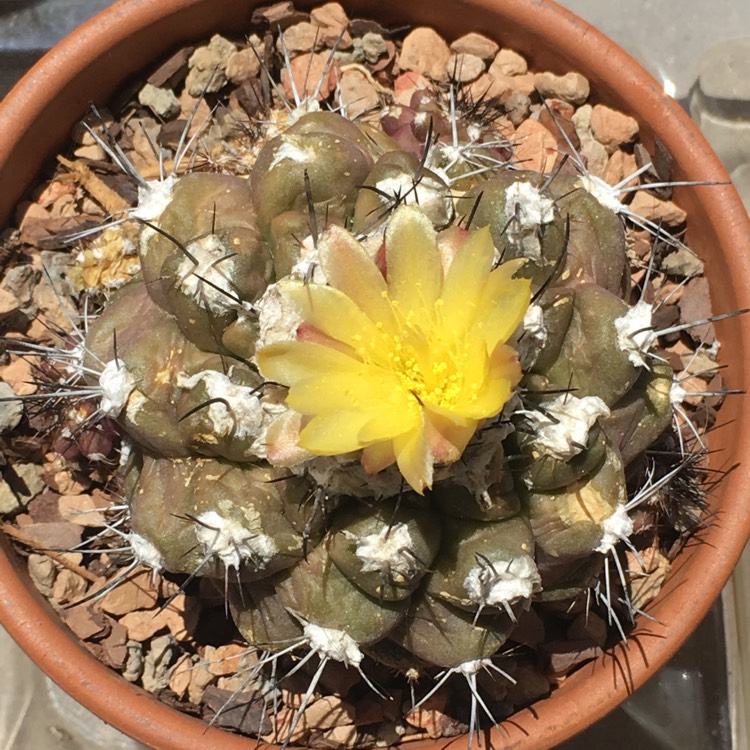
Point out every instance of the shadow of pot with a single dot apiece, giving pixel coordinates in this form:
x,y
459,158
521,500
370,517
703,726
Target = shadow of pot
x,y
36,118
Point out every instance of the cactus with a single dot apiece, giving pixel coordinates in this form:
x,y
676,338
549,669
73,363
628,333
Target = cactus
x,y
386,400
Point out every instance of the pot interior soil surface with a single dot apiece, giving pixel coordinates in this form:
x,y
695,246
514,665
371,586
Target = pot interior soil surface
x,y
190,492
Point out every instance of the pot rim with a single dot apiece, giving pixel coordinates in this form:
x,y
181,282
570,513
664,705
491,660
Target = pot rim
x,y
616,78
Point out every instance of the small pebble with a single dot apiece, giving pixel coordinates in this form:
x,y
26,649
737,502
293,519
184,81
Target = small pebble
x,y
134,662
535,147
136,593
207,66
156,664
332,23
695,304
242,65
648,206
307,72
11,411
299,38
42,571
508,63
612,128
21,483
595,157
620,166
68,587
571,87
179,675
465,67
475,44
682,262
357,93
83,622
162,102
373,46
425,51
115,646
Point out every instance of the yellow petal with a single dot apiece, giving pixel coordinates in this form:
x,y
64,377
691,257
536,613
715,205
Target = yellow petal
x,y
378,456
368,389
504,364
503,304
481,395
282,447
332,434
348,267
414,459
414,270
391,420
504,373
489,402
332,312
290,361
448,435
466,279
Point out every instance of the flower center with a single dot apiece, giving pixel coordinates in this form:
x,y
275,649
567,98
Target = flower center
x,y
428,358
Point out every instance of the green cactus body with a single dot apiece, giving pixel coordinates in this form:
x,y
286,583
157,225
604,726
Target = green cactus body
x,y
384,550
393,179
448,637
260,616
215,212
590,359
571,522
597,248
523,220
486,565
320,594
331,151
321,345
211,516
643,413
140,365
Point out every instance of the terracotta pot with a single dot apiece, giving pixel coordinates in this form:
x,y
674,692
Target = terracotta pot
x,y
36,118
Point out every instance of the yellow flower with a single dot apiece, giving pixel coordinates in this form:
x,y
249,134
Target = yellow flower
x,y
404,367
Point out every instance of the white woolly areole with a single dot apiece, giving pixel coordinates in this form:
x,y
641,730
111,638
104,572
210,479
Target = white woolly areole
x,y
635,334
153,198
616,527
305,107
232,542
333,644
117,384
74,359
126,449
564,425
240,413
277,319
526,209
145,552
308,265
602,191
504,582
677,394
535,209
470,668
213,265
534,336
289,150
384,551
431,197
